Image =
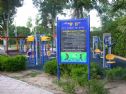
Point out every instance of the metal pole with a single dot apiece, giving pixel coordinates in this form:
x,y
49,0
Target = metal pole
x,y
7,36
34,52
104,51
36,49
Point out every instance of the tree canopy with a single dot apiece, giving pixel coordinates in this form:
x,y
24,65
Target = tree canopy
x,y
7,11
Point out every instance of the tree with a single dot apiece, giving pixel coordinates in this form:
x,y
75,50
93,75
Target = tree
x,y
7,10
29,23
48,11
23,31
20,30
118,30
119,5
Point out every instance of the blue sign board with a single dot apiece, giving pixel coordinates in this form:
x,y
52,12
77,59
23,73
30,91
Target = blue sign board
x,y
73,41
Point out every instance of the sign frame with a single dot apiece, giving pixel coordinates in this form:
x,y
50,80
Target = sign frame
x,y
85,24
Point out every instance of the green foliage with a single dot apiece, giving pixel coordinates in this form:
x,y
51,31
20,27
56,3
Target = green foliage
x,y
15,63
118,5
97,72
91,86
51,67
77,72
67,85
77,75
29,23
7,10
118,31
95,87
23,31
116,74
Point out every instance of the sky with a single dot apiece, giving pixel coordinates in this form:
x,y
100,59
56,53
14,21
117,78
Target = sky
x,y
29,10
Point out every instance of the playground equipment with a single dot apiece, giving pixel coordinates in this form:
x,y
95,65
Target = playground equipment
x,y
108,58
96,48
21,45
107,49
112,57
45,54
17,40
32,55
37,44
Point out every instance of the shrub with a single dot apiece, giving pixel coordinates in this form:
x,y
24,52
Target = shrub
x,y
67,85
76,71
95,87
51,67
97,72
117,73
14,63
79,74
91,86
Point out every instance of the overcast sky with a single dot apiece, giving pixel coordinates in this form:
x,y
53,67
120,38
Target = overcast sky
x,y
28,10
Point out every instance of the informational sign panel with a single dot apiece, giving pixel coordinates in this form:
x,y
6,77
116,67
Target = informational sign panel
x,y
73,44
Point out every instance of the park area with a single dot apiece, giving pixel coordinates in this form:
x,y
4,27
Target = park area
x,y
62,47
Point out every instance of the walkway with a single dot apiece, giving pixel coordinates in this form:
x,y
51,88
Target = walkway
x,y
13,86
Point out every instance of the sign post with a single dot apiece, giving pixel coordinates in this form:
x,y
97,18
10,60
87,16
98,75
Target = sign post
x,y
73,42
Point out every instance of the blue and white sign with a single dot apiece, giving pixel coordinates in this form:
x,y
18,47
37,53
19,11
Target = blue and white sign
x,y
73,41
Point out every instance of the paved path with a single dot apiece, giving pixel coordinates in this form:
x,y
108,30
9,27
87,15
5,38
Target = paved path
x,y
13,86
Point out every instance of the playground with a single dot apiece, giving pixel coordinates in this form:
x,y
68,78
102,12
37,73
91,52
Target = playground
x,y
62,47
67,60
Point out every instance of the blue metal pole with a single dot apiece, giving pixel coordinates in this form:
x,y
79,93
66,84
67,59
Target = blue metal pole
x,y
88,45
31,53
42,45
58,49
34,52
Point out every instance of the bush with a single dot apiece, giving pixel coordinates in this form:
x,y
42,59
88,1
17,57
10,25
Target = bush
x,y
117,73
67,85
76,75
97,72
15,63
75,71
96,87
80,74
51,67
91,87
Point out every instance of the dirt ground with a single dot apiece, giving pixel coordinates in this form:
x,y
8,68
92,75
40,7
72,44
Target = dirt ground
x,y
117,87
45,81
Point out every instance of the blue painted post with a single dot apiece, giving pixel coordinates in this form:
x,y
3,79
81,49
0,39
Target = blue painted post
x,y
34,52
31,53
109,49
42,45
88,45
58,50
36,49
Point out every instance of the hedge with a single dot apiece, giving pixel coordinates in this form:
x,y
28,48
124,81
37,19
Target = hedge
x,y
12,63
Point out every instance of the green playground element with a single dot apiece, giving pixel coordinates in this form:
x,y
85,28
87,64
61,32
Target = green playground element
x,y
73,56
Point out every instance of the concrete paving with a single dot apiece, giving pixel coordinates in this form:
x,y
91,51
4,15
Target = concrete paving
x,y
13,86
